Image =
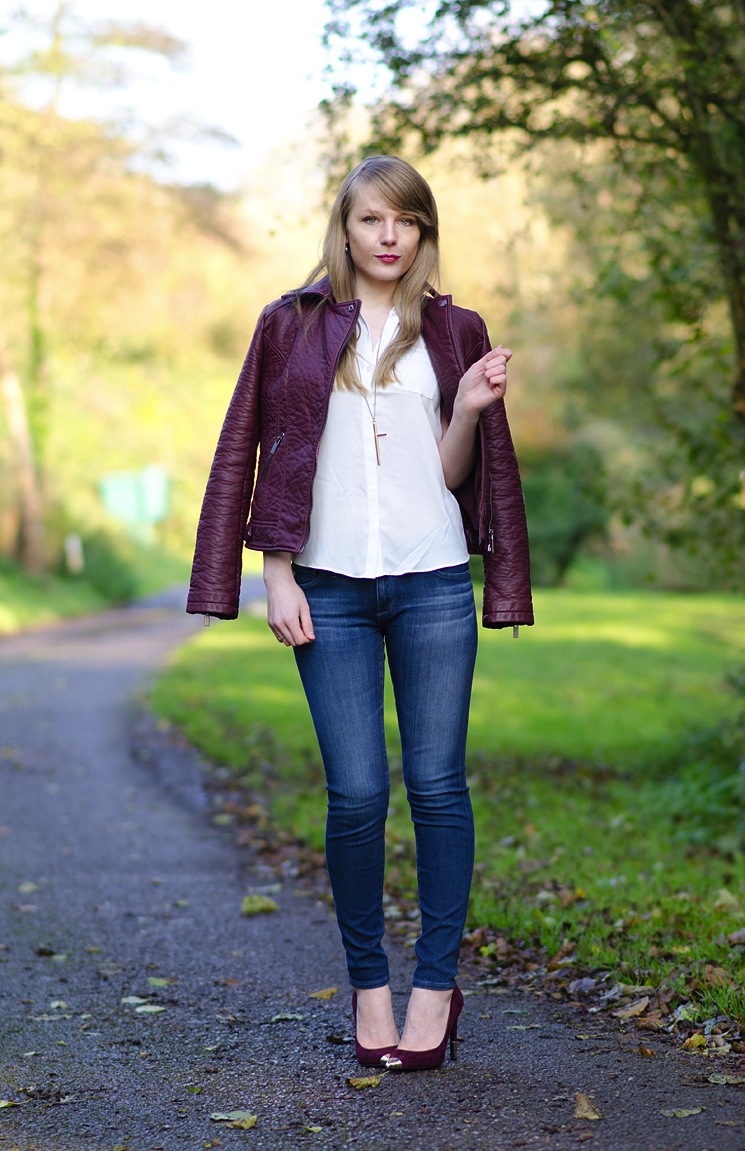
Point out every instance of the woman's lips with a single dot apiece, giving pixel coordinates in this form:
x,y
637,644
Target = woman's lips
x,y
387,259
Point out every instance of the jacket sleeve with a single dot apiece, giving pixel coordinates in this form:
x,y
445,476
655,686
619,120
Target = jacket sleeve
x,y
218,554
507,594
507,590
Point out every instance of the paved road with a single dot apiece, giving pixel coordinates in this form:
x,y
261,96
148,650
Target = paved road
x,y
114,880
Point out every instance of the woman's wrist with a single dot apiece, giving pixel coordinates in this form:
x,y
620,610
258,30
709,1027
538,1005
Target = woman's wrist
x,y
277,566
464,415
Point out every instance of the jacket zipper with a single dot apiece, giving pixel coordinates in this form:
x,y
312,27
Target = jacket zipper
x,y
262,477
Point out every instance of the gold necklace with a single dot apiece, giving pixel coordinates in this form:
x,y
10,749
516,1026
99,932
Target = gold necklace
x,y
378,436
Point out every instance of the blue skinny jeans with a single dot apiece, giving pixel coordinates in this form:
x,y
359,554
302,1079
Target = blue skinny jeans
x,y
426,624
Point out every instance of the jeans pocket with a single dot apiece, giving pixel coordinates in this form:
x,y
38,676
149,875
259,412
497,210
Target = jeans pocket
x,y
306,577
454,574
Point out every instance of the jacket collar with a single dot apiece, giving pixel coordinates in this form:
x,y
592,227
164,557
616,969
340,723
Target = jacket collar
x,y
322,288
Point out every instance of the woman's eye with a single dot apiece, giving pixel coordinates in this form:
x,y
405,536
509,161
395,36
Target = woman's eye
x,y
408,220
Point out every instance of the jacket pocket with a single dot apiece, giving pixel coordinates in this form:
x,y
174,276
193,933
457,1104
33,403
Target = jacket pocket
x,y
265,468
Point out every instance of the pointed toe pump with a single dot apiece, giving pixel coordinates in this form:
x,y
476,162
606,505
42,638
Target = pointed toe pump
x,y
403,1060
369,1056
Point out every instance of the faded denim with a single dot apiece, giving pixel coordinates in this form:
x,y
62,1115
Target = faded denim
x,y
425,622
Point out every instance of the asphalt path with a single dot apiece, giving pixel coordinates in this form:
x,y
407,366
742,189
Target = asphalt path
x,y
136,1001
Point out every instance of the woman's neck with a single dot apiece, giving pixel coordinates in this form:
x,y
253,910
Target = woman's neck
x,y
376,306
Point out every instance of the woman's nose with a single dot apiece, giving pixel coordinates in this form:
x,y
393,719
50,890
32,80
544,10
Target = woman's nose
x,y
388,235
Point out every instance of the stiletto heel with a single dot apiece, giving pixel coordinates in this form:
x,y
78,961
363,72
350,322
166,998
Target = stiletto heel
x,y
403,1060
369,1056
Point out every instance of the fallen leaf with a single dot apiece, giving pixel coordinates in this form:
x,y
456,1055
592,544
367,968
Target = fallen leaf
x,y
582,986
314,1130
257,904
647,1052
154,981
717,976
243,1120
365,1081
8,1103
682,1112
27,888
726,901
286,1017
326,993
132,1000
695,1042
149,1009
732,1080
584,1108
651,1022
737,937
244,1124
633,1009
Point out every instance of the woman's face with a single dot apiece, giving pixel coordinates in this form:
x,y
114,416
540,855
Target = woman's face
x,y
383,242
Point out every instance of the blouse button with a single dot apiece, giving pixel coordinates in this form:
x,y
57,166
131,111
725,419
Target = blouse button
x,y
350,308
443,303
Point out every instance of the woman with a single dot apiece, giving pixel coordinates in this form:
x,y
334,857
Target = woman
x,y
384,458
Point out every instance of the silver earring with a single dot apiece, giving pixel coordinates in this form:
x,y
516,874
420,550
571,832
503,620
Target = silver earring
x,y
346,248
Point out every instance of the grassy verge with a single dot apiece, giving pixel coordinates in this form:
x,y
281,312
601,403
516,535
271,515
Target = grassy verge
x,y
604,749
33,601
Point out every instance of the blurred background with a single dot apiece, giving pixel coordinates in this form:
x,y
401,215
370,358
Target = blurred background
x,y
164,172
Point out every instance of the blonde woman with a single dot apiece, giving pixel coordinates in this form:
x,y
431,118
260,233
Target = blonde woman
x,y
375,407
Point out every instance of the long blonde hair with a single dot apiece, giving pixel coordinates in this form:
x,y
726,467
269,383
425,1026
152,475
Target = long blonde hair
x,y
406,191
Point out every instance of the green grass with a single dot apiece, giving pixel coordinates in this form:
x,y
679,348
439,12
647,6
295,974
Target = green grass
x,y
603,750
33,601
27,601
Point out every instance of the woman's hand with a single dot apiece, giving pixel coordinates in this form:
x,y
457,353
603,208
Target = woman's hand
x,y
484,383
287,611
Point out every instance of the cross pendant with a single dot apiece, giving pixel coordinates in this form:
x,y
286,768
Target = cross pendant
x,y
378,436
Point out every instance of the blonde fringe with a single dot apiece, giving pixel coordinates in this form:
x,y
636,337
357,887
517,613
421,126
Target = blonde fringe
x,y
408,192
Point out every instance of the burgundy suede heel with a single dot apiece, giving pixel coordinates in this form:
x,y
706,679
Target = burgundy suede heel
x,y
369,1056
403,1060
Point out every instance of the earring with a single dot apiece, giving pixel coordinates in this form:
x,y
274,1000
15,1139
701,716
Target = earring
x,y
346,247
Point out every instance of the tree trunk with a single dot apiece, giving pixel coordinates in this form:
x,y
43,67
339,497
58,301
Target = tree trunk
x,y
33,550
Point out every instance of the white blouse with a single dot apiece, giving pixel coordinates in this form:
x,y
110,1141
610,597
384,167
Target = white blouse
x,y
368,519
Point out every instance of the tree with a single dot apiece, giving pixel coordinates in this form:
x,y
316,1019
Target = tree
x,y
645,99
63,184
660,80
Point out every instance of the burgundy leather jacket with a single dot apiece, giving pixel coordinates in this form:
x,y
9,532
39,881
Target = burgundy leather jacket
x,y
278,410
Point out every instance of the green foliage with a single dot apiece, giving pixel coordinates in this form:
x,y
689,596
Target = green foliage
x,y
27,601
565,501
703,788
643,104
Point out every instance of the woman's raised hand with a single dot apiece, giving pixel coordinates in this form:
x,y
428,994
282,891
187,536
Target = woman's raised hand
x,y
287,611
485,382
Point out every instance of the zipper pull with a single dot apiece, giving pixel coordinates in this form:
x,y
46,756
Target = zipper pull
x,y
516,631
